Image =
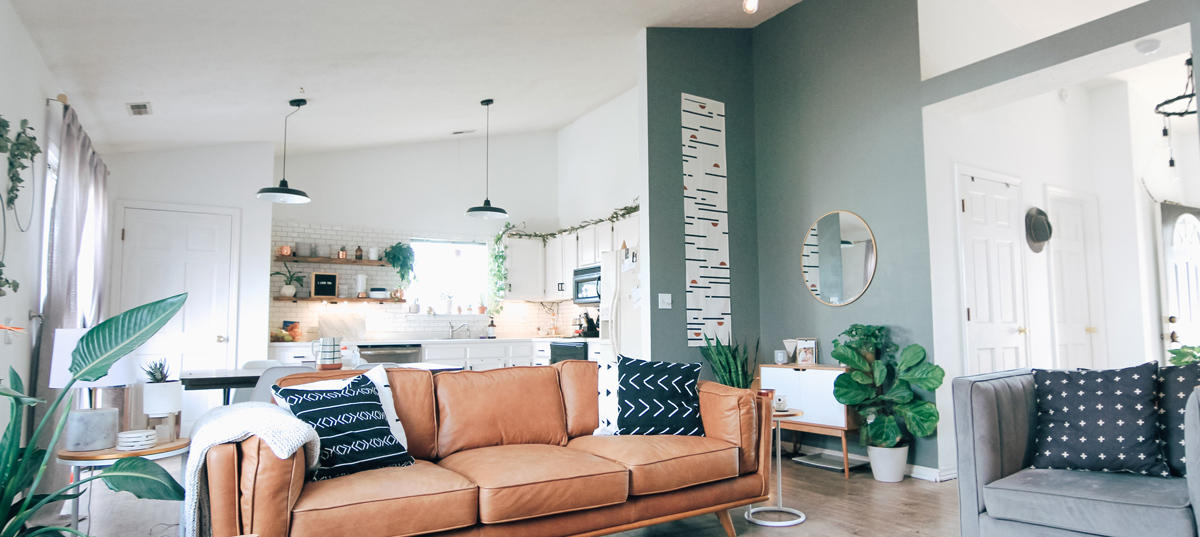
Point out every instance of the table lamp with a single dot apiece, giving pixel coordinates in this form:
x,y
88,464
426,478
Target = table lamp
x,y
94,428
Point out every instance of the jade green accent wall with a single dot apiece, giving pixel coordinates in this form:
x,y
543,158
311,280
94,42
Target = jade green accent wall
x,y
838,127
714,64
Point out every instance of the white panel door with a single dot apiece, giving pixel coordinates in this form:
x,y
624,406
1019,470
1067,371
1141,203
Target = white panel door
x,y
525,266
992,238
1076,281
165,253
555,285
1181,264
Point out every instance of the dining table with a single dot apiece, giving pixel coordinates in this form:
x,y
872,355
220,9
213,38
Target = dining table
x,y
225,380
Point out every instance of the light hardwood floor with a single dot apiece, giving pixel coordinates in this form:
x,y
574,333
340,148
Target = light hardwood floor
x,y
835,507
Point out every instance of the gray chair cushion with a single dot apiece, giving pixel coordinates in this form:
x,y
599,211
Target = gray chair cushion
x,y
1116,504
994,527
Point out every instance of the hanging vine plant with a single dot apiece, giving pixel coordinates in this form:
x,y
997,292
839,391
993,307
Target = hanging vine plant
x,y
21,150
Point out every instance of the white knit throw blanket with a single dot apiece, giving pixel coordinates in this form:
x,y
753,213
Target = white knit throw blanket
x,y
281,431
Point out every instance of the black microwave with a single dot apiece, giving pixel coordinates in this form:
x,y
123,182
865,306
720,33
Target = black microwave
x,y
586,289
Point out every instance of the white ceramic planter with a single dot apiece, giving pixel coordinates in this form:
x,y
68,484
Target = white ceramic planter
x,y
288,291
888,464
162,398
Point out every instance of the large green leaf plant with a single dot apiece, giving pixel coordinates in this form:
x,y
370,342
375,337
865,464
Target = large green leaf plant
x,y
879,386
22,467
732,364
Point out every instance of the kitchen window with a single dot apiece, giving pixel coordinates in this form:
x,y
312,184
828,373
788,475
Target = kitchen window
x,y
447,268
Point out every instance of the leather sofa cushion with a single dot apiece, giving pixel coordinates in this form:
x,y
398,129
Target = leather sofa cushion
x,y
1103,503
412,390
579,380
523,481
730,414
390,502
661,463
517,405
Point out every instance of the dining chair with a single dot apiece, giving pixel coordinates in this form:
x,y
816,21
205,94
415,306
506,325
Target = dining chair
x,y
262,389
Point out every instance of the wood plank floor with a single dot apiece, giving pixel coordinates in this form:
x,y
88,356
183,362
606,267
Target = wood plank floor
x,y
835,507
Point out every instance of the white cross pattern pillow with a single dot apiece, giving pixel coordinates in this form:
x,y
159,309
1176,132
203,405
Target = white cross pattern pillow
x,y
1176,384
1104,421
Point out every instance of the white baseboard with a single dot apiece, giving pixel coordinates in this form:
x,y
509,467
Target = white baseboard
x,y
923,473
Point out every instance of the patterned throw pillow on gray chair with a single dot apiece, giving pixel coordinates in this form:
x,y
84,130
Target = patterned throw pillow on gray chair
x,y
1176,384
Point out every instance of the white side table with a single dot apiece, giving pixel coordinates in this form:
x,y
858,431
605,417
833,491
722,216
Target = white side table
x,y
78,460
778,508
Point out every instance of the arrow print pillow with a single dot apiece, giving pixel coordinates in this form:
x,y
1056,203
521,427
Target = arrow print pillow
x,y
651,398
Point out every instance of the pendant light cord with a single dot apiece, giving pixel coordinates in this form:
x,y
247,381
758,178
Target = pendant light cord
x,y
487,155
285,129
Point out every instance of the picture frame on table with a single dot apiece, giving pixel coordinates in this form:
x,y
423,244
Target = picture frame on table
x,y
806,350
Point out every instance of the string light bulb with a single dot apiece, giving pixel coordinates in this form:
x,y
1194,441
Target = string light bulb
x,y
750,6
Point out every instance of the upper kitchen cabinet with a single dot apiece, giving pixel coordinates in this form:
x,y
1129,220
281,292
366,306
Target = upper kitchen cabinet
x,y
593,241
525,269
556,285
626,232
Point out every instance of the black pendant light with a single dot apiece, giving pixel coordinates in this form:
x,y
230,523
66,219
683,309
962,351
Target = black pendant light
x,y
486,211
283,193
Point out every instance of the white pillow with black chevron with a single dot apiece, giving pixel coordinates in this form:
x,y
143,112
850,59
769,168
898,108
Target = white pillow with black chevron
x,y
383,388
656,398
353,427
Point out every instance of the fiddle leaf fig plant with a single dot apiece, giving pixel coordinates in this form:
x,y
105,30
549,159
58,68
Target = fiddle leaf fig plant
x,y
879,386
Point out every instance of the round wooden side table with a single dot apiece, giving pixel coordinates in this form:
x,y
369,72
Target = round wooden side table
x,y
795,516
78,460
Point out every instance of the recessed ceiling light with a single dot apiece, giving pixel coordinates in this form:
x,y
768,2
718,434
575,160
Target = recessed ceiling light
x,y
138,109
1148,46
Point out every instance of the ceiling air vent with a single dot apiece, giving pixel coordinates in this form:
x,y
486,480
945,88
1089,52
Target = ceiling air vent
x,y
138,109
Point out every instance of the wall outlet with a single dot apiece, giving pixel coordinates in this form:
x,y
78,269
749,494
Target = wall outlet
x,y
664,301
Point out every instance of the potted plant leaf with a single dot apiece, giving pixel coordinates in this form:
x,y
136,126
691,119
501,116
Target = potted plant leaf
x,y
1185,355
879,387
732,364
400,256
22,467
290,281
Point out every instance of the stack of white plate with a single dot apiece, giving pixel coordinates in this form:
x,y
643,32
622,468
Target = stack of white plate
x,y
136,440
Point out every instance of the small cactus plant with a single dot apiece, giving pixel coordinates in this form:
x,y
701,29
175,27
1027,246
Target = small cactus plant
x,y
156,371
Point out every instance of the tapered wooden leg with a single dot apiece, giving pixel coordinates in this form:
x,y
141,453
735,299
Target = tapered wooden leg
x,y
845,456
727,523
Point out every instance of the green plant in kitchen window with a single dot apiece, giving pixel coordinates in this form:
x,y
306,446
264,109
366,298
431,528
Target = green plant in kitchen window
x,y
400,256
290,278
880,387
1185,355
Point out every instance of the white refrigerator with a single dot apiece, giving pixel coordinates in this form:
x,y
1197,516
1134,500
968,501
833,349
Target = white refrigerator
x,y
621,302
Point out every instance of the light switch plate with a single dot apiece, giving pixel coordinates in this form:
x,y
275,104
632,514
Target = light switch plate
x,y
664,301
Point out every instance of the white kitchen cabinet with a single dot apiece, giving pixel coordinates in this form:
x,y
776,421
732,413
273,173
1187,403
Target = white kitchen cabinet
x,y
626,232
604,239
808,388
570,258
486,364
555,284
526,268
586,254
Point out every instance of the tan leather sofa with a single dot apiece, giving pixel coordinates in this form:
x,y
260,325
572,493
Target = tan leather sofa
x,y
507,452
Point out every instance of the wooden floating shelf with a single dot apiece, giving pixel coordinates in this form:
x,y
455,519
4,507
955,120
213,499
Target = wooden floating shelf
x,y
332,261
335,300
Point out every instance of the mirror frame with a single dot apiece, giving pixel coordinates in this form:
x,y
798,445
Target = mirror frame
x,y
874,242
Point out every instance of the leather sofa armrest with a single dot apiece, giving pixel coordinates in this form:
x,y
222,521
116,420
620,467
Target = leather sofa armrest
x,y
731,414
1191,449
269,488
995,418
223,512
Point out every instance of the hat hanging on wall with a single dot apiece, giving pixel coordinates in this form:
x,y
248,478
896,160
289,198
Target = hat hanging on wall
x,y
1037,229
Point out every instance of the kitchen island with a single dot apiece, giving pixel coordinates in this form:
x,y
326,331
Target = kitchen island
x,y
470,354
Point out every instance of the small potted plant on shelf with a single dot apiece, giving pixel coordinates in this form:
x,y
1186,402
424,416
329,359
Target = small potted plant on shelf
x,y
290,281
400,257
160,395
879,387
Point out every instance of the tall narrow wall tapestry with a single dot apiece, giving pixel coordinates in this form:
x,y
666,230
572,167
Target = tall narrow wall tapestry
x,y
706,220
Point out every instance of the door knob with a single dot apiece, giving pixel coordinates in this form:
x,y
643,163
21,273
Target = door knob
x,y
1174,337
1172,319
1022,330
1090,330
221,339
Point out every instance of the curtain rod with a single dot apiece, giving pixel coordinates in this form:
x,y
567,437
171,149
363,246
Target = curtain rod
x,y
61,98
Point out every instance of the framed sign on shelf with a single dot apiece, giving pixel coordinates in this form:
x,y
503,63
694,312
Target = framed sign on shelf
x,y
324,284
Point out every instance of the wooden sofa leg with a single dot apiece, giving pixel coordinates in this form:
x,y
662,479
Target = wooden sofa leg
x,y
726,522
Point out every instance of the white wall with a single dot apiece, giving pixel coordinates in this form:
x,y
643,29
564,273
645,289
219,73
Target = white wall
x,y
598,165
428,186
24,87
216,176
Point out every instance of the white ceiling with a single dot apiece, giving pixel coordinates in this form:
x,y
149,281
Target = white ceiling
x,y
375,71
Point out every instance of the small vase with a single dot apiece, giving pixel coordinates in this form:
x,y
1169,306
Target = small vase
x,y
888,464
482,310
162,398
288,291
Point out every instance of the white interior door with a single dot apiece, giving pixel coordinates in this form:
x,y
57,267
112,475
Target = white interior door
x,y
164,253
1181,263
1076,281
994,283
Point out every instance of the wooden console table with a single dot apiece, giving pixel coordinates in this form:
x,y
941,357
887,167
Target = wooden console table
x,y
809,389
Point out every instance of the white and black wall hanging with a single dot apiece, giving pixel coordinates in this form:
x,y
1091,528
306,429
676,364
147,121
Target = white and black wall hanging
x,y
706,220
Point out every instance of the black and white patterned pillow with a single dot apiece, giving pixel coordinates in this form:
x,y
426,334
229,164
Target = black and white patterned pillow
x,y
1176,384
658,398
353,427
1099,420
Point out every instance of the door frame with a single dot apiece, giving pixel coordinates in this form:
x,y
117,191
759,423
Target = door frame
x,y
1091,215
235,247
961,170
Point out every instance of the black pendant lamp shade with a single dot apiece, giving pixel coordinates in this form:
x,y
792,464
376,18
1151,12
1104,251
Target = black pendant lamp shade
x,y
283,193
487,211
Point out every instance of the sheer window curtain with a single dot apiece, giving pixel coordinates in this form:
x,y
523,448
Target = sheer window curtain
x,y
75,256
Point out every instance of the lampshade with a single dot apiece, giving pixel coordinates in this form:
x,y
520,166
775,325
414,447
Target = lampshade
x,y
486,211
283,194
122,373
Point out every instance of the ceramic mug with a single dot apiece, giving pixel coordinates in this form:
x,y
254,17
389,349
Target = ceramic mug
x,y
373,254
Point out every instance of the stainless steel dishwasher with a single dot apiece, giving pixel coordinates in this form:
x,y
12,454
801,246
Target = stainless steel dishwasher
x,y
395,353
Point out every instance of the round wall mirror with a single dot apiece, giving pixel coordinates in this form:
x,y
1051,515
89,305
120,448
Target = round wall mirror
x,y
838,258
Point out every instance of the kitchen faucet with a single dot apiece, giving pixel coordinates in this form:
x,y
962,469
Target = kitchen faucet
x,y
454,329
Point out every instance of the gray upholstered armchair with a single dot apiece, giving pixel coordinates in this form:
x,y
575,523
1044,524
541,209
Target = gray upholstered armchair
x,y
999,495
